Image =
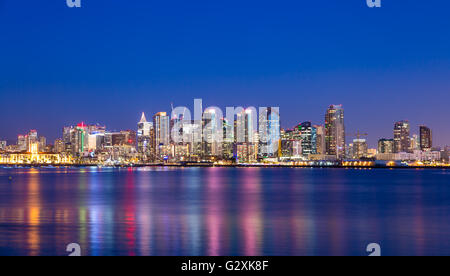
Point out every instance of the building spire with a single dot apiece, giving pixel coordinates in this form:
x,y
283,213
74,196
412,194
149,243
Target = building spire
x,y
143,119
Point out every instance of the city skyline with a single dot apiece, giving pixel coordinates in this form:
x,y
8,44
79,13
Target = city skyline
x,y
372,139
239,136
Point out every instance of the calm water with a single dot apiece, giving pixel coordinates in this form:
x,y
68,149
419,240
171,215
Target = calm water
x,y
224,211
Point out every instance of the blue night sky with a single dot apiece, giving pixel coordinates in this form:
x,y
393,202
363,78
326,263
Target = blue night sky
x,y
110,60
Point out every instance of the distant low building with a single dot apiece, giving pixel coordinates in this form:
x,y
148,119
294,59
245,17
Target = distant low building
x,y
34,157
371,153
322,157
417,155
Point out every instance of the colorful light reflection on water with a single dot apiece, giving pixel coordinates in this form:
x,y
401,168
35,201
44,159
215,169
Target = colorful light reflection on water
x,y
224,211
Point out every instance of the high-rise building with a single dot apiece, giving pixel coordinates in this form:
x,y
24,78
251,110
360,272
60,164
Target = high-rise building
x,y
22,143
59,146
402,141
176,129
82,139
32,138
308,135
79,139
145,137
239,127
414,143
42,144
291,144
95,141
245,126
426,139
360,148
245,134
386,146
144,127
320,141
212,134
67,135
192,137
161,124
335,131
269,132
228,139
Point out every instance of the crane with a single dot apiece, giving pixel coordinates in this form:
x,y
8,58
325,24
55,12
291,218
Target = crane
x,y
358,135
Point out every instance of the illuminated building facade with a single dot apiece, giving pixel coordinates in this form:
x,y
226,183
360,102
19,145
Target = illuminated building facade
x,y
145,135
246,152
228,140
308,135
386,146
22,143
360,148
426,139
31,138
34,157
320,140
269,133
161,124
402,141
42,144
58,146
335,131
212,134
212,138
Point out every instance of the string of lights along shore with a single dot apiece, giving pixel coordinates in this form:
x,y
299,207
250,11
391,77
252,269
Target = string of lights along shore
x,y
248,137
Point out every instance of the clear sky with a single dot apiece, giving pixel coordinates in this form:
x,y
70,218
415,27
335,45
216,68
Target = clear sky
x,y
110,60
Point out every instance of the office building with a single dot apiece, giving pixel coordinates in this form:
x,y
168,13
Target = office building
x,y
426,140
335,131
269,133
386,146
161,124
402,141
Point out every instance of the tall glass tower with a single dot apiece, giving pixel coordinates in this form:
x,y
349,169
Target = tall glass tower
x,y
335,131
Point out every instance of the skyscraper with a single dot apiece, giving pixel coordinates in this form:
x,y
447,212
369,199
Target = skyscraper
x,y
426,139
162,132
320,141
228,139
245,126
308,135
144,137
246,147
32,138
402,141
22,143
79,140
212,133
59,146
269,132
415,142
144,127
42,143
335,131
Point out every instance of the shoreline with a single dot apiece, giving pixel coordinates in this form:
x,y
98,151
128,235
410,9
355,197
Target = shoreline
x,y
11,166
